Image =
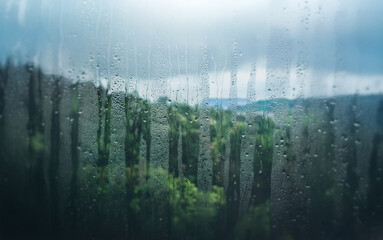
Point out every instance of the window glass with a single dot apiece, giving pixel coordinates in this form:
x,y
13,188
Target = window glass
x,y
165,119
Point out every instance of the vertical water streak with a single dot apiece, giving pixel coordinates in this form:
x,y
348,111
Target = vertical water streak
x,y
73,204
277,89
179,153
87,148
226,163
142,162
248,147
301,119
233,84
345,130
205,164
159,144
117,120
54,161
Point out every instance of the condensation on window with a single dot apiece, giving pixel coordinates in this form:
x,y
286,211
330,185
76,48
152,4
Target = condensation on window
x,y
191,119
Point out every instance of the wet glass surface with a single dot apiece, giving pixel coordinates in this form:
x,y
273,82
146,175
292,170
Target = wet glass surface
x,y
191,119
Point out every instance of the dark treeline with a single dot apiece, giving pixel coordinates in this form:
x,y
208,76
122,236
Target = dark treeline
x,y
69,170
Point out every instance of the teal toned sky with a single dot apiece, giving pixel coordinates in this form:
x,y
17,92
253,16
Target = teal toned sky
x,y
140,41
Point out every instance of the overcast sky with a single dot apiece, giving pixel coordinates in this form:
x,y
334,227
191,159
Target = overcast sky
x,y
312,48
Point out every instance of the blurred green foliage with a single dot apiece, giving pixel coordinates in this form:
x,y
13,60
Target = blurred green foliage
x,y
40,183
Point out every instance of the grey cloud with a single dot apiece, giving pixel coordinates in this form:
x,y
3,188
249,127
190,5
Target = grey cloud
x,y
126,37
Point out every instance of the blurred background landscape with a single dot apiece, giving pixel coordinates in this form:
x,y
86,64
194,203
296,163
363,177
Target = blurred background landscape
x,y
191,119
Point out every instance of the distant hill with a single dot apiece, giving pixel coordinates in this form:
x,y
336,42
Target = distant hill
x,y
242,103
266,105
